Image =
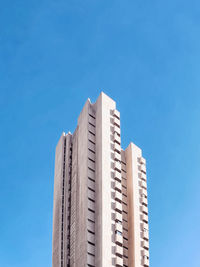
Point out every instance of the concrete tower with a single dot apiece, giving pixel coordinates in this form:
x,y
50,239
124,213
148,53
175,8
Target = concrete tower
x,y
100,214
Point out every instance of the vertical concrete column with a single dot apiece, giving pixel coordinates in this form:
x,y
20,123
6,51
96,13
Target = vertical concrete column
x,y
104,108
82,188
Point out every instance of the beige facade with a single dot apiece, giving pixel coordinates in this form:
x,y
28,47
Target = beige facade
x,y
100,194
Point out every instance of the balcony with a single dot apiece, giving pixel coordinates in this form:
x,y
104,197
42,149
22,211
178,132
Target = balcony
x,y
117,138
145,244
143,184
119,251
125,225
90,260
117,156
117,147
124,199
91,137
90,249
143,192
118,217
124,191
118,239
124,175
125,261
145,218
91,155
90,237
119,262
145,262
144,209
145,253
91,226
116,129
116,113
125,216
124,182
116,122
125,234
125,252
118,176
117,166
91,120
91,146
118,227
90,215
91,205
118,196
143,176
118,207
91,164
144,201
91,194
118,186
142,168
125,207
142,161
145,235
125,243
144,227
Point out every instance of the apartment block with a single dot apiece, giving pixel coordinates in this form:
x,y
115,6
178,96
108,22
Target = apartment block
x,y
100,216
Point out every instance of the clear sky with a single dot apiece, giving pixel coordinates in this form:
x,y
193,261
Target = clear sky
x,y
55,54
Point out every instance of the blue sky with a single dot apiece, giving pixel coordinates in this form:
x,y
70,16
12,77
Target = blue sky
x,y
53,56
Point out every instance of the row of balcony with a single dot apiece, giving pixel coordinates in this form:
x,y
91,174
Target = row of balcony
x,y
118,190
144,213
116,122
91,190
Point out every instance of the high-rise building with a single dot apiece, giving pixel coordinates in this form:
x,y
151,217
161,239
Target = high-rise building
x,y
100,194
